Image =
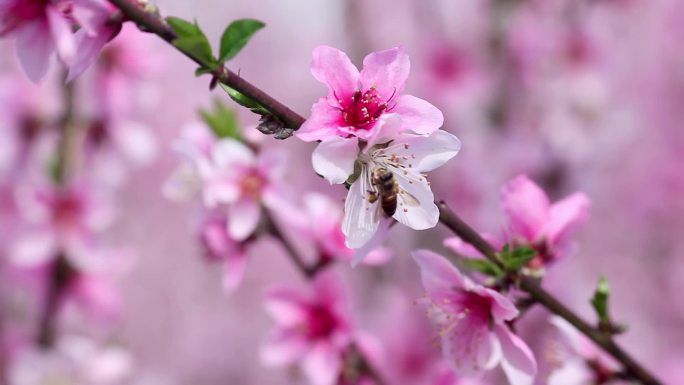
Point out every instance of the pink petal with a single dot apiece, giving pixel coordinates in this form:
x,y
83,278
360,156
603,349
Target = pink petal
x,y
572,372
518,361
323,364
418,115
243,218
89,47
566,215
35,47
461,248
234,271
33,250
287,307
273,163
437,273
333,68
387,128
526,206
387,71
62,35
334,159
323,122
283,348
503,309
98,296
471,347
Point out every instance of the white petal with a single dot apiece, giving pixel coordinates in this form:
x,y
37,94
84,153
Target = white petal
x,y
182,185
415,204
334,159
230,152
33,250
136,142
426,153
361,218
243,218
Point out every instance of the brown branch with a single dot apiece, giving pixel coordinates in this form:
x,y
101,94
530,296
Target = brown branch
x,y
154,24
536,292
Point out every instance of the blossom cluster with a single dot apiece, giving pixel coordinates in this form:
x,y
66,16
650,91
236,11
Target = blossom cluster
x,y
351,319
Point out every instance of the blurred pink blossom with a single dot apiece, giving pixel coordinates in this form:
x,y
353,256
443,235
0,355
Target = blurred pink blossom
x,y
63,219
473,319
577,361
74,361
320,221
219,246
312,330
228,174
43,27
356,101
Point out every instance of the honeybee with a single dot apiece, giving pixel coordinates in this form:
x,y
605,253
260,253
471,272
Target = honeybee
x,y
386,189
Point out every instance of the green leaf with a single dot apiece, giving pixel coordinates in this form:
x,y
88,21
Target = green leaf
x,y
183,28
245,100
515,259
192,40
203,71
600,300
236,36
222,120
484,266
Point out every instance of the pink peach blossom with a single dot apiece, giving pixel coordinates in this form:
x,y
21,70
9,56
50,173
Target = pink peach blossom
x,y
472,319
357,100
577,361
219,246
230,175
312,330
533,220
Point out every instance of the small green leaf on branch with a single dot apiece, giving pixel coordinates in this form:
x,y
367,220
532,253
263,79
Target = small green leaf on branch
x,y
600,300
222,121
483,266
245,100
236,36
516,258
192,41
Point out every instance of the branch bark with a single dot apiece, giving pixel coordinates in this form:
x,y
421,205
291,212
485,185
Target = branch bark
x,y
447,217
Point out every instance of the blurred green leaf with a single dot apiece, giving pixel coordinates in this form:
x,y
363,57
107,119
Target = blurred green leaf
x,y
483,266
236,36
600,300
516,258
222,120
203,71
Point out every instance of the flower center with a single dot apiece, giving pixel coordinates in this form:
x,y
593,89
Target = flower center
x,y
20,12
364,108
66,211
252,184
321,322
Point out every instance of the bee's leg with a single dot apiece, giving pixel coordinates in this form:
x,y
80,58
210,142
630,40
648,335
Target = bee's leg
x,y
372,197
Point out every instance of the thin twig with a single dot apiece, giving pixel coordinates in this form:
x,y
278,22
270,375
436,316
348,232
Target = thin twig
x,y
155,25
532,287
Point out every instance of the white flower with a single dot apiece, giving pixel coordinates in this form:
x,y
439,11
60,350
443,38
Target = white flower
x,y
406,155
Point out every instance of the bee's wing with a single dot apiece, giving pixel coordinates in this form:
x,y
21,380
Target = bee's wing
x,y
407,198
